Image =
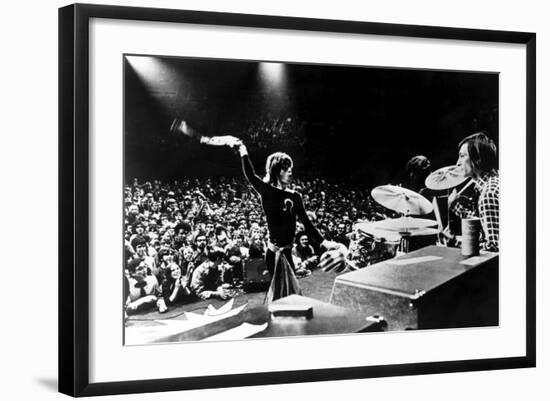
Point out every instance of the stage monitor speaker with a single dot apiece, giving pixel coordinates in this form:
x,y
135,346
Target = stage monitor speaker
x,y
431,288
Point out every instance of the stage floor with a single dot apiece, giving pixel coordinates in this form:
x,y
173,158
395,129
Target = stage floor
x,y
317,286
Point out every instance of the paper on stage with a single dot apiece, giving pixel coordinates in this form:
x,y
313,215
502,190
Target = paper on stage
x,y
212,314
212,311
241,332
473,261
135,335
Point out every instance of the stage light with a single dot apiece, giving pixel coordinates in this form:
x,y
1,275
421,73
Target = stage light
x,y
272,74
158,80
148,68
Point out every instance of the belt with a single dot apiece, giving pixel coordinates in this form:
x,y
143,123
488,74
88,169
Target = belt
x,y
274,248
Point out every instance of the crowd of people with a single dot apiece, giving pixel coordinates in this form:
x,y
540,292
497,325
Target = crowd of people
x,y
267,132
191,238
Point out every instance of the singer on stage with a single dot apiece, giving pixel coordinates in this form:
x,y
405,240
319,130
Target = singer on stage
x,y
281,207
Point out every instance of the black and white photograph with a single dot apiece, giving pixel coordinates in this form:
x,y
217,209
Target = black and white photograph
x,y
275,200
278,199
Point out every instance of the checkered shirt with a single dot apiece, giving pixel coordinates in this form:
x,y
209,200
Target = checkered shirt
x,y
487,193
488,205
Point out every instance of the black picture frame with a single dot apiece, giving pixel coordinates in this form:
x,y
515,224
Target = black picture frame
x,y
74,198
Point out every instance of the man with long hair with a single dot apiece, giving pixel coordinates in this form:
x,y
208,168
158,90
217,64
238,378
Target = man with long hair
x,y
477,156
416,171
281,207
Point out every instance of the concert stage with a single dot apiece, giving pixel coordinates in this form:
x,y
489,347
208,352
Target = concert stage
x,y
432,288
317,286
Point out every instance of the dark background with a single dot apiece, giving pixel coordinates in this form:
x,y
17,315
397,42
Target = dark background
x,y
358,124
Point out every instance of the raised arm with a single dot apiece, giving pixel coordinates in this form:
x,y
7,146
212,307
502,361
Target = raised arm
x,y
181,127
248,169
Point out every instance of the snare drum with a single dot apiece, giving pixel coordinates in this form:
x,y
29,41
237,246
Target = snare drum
x,y
376,244
369,251
373,245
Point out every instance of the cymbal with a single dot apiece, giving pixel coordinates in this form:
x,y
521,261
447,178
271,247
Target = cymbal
x,y
445,178
423,231
372,228
405,224
401,200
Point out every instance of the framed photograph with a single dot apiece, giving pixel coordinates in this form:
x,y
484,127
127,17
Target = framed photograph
x,y
251,199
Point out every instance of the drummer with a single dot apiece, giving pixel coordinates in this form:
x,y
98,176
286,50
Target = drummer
x,y
417,169
477,156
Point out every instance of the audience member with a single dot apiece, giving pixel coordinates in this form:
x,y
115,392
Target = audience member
x,y
142,288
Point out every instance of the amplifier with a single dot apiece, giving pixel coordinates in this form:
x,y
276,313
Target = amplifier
x,y
431,288
256,277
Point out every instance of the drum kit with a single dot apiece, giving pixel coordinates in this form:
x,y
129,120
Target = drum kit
x,y
384,239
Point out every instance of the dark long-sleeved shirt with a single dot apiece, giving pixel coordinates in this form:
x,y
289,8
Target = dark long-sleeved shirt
x,y
167,288
281,207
